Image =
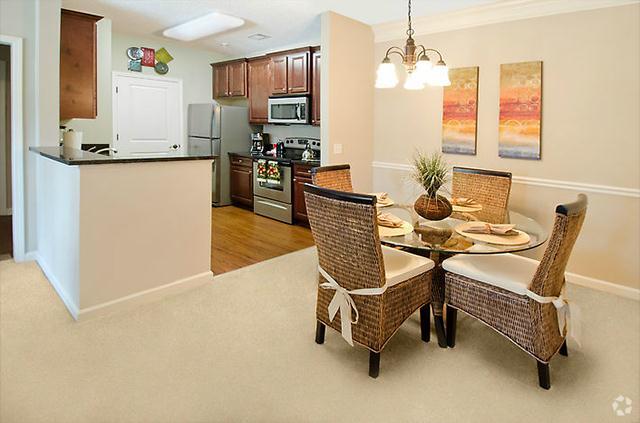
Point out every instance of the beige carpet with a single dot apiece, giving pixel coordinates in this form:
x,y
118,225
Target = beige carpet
x,y
242,349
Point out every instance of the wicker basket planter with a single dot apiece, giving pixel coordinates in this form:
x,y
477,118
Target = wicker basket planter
x,y
434,207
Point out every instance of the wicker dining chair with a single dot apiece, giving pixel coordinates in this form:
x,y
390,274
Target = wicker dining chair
x,y
337,177
385,285
518,297
490,188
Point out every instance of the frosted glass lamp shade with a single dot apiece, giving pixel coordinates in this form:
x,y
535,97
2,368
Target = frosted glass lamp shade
x,y
414,81
386,75
423,68
439,75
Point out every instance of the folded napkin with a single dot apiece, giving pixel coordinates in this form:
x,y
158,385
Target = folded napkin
x,y
490,229
382,197
389,220
462,201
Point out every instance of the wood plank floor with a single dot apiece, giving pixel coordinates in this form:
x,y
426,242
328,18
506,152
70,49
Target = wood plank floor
x,y
240,238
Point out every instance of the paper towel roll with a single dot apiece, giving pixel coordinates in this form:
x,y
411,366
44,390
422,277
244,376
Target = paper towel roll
x,y
72,139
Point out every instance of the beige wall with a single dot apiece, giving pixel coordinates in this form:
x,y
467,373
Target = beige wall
x,y
347,96
590,127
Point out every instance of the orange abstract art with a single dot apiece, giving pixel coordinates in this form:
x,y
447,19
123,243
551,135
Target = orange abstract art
x,y
460,112
520,110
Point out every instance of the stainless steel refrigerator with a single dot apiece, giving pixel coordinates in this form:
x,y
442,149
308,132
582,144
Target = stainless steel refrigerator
x,y
218,130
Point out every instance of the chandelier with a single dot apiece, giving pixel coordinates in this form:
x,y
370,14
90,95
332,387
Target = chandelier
x,y
420,69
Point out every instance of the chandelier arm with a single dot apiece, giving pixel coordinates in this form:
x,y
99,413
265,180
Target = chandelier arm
x,y
396,50
425,50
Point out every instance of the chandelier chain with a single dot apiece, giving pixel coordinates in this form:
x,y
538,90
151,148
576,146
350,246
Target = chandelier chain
x,y
410,31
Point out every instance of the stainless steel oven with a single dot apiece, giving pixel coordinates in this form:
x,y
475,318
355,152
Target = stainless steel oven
x,y
288,110
273,200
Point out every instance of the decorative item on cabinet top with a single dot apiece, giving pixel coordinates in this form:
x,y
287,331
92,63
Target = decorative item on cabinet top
x,y
144,56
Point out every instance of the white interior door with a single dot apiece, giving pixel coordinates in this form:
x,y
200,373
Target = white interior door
x,y
147,114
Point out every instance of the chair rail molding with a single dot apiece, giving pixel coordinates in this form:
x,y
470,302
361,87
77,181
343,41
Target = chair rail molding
x,y
504,11
541,182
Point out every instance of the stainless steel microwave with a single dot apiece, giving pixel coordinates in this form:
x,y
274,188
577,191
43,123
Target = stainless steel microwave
x,y
289,110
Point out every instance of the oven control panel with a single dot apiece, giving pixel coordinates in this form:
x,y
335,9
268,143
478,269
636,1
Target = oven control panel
x,y
301,143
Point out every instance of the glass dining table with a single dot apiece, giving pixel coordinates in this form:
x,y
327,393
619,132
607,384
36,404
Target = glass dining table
x,y
441,239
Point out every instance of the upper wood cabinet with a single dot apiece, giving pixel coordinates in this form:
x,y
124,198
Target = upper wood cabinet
x,y
279,74
290,72
229,78
259,77
220,81
316,60
78,63
237,79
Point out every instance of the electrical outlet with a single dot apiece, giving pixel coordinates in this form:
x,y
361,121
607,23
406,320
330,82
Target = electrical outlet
x,y
337,148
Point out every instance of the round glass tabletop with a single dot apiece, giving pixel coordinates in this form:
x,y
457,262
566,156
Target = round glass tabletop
x,y
442,236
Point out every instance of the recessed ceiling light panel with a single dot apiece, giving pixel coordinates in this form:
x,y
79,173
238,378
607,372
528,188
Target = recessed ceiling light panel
x,y
259,37
211,23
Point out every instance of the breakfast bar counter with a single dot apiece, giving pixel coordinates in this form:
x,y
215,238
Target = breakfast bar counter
x,y
115,231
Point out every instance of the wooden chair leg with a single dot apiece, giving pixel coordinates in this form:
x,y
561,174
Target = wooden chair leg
x,y
563,349
425,323
438,321
543,375
374,364
452,317
320,328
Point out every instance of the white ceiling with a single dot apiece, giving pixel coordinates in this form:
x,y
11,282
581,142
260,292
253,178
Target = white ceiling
x,y
288,22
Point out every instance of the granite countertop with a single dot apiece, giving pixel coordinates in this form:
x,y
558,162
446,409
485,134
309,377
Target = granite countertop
x,y
279,159
73,157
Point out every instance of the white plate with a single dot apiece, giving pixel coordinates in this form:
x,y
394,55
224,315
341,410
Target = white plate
x,y
521,238
406,228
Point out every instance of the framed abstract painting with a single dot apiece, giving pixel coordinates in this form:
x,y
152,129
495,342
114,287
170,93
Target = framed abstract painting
x,y
520,110
460,112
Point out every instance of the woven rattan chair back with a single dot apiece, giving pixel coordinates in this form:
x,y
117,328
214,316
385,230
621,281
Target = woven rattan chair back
x,y
336,177
549,278
488,187
345,231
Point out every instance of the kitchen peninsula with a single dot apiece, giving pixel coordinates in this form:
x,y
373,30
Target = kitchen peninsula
x,y
116,231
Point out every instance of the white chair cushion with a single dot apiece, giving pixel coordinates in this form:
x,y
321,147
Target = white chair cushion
x,y
507,271
400,265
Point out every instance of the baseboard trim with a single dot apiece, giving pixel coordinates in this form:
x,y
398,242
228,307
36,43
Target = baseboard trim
x,y
30,256
147,296
604,286
66,300
541,182
126,302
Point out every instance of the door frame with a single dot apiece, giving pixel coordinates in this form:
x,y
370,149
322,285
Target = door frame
x,y
114,100
17,147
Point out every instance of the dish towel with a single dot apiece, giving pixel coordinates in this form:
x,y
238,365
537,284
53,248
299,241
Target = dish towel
x,y
273,172
342,301
261,171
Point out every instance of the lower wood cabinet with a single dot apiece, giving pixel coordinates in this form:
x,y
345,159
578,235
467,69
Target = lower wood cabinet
x,y
301,176
241,180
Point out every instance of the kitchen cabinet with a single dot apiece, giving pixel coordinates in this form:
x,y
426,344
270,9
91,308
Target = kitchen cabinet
x,y
241,180
279,74
78,61
290,72
229,78
259,74
315,86
301,176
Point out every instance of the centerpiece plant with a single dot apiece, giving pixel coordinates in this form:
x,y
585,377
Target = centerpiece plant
x,y
431,172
